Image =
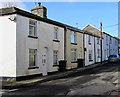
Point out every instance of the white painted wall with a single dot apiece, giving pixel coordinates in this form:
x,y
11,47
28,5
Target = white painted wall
x,y
105,47
7,47
97,46
111,48
45,41
89,47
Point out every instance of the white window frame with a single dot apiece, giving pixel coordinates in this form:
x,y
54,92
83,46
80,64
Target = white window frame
x,y
73,55
110,40
56,33
33,54
73,37
106,40
98,53
90,55
89,39
55,57
33,25
98,41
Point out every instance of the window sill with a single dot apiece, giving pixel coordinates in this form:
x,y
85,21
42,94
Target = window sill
x,y
33,67
33,37
74,43
89,43
55,65
74,62
56,40
98,57
90,60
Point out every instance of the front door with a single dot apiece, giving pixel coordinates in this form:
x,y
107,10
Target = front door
x,y
44,64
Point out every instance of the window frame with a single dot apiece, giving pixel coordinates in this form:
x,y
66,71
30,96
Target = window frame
x,y
73,55
56,34
34,27
89,40
98,53
73,37
55,57
98,41
90,55
33,53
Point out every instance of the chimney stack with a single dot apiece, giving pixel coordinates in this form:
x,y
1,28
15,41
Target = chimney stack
x,y
40,11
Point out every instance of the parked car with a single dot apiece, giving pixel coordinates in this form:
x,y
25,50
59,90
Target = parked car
x,y
114,58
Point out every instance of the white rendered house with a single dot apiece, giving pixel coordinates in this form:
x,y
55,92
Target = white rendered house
x,y
109,46
30,44
89,48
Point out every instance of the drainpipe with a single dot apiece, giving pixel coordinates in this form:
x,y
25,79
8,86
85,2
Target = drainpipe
x,y
65,30
94,50
101,40
84,46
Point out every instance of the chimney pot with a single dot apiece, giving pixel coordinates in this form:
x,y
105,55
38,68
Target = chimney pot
x,y
39,4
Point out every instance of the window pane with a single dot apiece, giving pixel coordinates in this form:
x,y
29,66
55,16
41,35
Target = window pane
x,y
32,57
32,28
73,55
55,57
73,37
55,33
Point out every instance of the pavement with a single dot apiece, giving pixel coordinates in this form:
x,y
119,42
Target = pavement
x,y
54,76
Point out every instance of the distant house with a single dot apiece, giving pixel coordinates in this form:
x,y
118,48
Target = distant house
x,y
92,44
32,44
118,44
109,46
89,48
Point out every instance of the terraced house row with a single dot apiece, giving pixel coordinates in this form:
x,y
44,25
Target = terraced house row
x,y
32,44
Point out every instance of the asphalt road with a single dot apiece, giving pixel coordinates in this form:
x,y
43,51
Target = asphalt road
x,y
102,80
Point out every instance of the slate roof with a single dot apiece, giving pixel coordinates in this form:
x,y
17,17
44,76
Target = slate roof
x,y
14,10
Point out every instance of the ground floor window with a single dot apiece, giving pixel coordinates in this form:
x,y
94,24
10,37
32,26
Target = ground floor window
x,y
55,57
98,53
90,55
73,55
32,57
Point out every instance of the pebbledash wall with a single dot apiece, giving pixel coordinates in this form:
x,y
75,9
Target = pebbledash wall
x,y
16,45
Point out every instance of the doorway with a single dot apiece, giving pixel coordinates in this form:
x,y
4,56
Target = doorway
x,y
44,62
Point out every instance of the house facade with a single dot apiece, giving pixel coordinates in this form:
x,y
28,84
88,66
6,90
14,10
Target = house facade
x,y
74,47
92,45
118,44
109,46
89,48
34,45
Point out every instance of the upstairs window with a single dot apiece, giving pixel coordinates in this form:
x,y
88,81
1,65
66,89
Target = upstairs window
x,y
73,37
56,33
110,40
98,41
32,28
89,39
106,40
